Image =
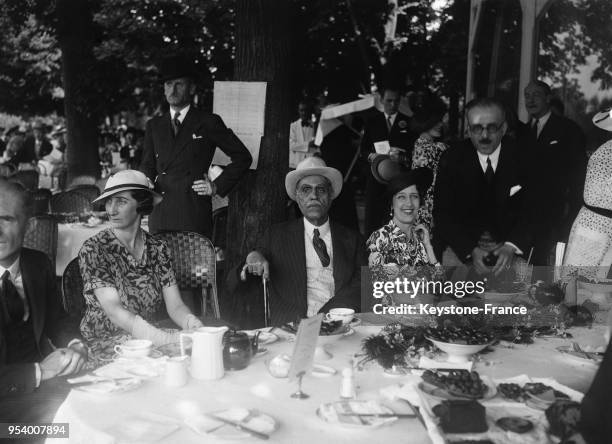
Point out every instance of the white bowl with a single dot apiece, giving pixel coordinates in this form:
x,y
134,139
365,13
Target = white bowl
x,y
458,353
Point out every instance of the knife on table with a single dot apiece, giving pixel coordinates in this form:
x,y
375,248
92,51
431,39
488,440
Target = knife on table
x,y
241,427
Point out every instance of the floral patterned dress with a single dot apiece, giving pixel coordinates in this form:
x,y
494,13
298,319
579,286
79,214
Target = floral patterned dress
x,y
427,153
389,245
105,262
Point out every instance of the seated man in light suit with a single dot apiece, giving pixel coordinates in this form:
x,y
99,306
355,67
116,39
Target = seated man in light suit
x,y
312,263
30,321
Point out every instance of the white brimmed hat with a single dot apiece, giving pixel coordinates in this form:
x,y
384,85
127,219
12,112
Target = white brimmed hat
x,y
313,166
603,119
128,180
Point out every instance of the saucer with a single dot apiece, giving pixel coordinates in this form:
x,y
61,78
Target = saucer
x,y
154,355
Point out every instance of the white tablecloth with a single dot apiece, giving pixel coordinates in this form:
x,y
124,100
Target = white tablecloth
x,y
91,416
70,238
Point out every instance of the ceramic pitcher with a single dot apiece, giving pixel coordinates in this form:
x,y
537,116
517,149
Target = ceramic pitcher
x,y
207,352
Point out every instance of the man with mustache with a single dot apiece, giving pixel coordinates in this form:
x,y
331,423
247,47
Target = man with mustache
x,y
313,264
178,150
484,190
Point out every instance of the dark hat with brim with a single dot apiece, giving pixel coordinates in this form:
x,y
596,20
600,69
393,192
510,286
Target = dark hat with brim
x,y
421,177
176,67
384,169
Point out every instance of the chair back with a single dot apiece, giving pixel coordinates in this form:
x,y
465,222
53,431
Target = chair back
x,y
27,178
41,235
41,198
89,191
194,264
70,201
72,290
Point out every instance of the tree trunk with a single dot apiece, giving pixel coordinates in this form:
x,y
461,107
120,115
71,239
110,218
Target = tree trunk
x,y
75,36
262,54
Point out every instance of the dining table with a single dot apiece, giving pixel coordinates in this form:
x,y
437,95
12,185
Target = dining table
x,y
103,418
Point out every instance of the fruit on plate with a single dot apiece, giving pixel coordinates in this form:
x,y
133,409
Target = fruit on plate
x,y
514,424
460,335
330,327
511,391
543,391
563,417
459,383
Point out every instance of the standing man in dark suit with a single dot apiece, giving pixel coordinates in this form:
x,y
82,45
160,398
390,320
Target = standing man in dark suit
x,y
312,264
483,190
30,321
560,143
178,149
392,127
36,146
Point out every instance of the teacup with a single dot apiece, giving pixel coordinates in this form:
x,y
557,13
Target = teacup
x,y
134,348
176,372
341,314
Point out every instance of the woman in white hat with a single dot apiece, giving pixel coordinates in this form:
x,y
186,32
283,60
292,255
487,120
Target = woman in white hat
x,y
127,273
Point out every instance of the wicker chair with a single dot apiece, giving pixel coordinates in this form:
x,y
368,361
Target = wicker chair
x,y
7,170
194,264
72,290
70,202
41,198
89,191
41,234
27,178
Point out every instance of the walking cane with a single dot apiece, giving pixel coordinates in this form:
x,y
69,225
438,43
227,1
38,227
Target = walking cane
x,y
266,302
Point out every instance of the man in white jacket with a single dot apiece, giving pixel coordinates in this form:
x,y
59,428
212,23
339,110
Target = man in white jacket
x,y
301,136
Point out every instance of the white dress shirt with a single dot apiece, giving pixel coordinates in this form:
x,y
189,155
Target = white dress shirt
x,y
15,277
494,156
179,114
541,122
319,279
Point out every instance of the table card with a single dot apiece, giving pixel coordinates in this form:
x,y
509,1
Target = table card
x,y
382,147
305,344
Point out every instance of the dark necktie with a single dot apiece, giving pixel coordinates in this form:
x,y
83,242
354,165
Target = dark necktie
x,y
320,248
12,300
534,129
389,123
489,173
176,124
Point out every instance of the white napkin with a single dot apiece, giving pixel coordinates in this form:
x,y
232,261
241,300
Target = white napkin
x,y
143,428
426,362
406,390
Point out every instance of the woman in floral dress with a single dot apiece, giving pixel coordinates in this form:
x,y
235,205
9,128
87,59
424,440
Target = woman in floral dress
x,y
127,273
402,241
427,121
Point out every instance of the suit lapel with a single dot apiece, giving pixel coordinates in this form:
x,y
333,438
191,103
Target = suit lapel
x,y
32,290
502,175
297,259
166,139
185,132
341,257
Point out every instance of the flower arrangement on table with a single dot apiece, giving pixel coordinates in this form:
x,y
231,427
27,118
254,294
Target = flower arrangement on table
x,y
397,345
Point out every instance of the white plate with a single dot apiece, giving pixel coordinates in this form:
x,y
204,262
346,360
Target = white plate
x,y
154,354
329,413
258,421
111,387
442,395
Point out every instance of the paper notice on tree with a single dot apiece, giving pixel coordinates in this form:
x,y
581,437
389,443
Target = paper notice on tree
x,y
242,106
382,147
305,345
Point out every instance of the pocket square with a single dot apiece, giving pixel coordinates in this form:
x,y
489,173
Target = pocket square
x,y
553,142
195,136
515,189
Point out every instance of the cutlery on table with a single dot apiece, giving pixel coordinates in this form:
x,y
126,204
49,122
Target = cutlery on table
x,y
576,348
238,425
416,411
